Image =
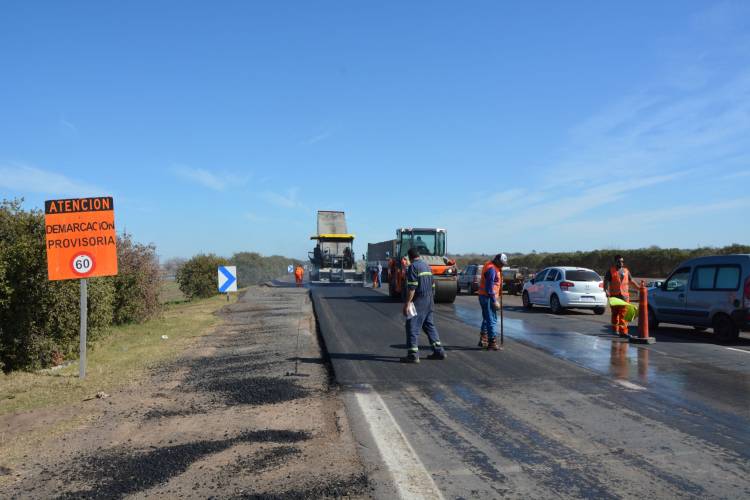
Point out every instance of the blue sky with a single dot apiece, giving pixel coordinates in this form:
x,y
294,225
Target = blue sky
x,y
224,126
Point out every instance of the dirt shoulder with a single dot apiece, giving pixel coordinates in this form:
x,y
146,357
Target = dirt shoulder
x,y
228,419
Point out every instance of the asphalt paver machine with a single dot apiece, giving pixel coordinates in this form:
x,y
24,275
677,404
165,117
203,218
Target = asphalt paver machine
x,y
431,244
332,258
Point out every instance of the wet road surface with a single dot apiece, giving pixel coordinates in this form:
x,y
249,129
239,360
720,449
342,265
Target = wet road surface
x,y
566,410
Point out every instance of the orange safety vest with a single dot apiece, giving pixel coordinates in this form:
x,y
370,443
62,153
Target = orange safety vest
x,y
299,272
619,286
497,285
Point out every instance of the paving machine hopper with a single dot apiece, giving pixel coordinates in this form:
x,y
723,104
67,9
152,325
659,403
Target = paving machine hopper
x,y
332,258
431,244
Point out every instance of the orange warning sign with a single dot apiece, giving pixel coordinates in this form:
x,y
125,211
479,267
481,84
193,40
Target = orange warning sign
x,y
81,238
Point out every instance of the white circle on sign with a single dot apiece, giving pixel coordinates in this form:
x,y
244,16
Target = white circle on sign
x,y
82,263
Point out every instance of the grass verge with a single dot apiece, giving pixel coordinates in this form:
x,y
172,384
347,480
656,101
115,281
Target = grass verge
x,y
121,358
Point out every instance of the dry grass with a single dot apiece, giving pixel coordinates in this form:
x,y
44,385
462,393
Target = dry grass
x,y
170,293
123,357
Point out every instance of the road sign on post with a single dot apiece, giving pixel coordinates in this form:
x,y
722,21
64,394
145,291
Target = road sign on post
x,y
81,243
227,279
290,268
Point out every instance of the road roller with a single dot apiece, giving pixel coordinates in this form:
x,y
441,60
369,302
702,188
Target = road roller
x,y
431,244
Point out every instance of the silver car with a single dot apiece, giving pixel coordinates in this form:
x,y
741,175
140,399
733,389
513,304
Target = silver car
x,y
706,292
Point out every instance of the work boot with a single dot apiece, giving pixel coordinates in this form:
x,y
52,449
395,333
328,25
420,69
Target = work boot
x,y
482,340
410,358
440,355
492,345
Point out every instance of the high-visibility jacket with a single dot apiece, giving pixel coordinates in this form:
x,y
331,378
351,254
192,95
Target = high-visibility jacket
x,y
619,286
497,282
299,272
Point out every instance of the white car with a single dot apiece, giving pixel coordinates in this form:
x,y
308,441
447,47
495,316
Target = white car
x,y
565,287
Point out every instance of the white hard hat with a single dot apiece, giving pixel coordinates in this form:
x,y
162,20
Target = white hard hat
x,y
501,259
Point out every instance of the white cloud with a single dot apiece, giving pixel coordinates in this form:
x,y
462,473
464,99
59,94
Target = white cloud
x,y
206,178
253,217
67,128
26,179
289,199
317,138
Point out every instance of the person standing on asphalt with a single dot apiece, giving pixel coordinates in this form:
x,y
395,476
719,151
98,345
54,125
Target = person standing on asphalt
x,y
299,272
419,291
490,288
617,283
380,273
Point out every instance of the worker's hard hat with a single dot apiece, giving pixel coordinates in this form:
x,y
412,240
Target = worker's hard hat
x,y
500,259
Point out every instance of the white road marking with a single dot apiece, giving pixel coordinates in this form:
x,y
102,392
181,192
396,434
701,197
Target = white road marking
x,y
630,385
738,350
410,477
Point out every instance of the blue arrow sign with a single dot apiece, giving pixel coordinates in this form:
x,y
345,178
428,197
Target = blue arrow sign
x,y
227,279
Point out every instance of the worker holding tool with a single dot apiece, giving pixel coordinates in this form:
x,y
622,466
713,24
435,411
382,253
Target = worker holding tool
x,y
617,283
299,272
490,300
419,294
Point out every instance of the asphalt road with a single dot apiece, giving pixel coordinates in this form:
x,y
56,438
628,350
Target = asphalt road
x,y
565,410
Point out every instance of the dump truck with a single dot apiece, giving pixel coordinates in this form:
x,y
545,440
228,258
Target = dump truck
x,y
431,244
332,259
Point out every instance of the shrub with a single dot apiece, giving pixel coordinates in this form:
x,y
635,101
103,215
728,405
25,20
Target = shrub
x,y
197,277
39,319
137,283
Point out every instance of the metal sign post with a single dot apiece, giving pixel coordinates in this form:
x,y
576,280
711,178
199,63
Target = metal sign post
x,y
84,322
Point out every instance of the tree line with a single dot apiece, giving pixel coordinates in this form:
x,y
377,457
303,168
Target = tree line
x,y
651,262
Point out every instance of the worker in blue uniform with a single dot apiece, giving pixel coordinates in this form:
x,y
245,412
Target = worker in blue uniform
x,y
419,291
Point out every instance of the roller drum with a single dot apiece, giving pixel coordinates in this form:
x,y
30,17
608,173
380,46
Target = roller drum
x,y
445,290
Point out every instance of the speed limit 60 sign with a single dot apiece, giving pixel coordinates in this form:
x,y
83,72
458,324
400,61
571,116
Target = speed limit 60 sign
x,y
81,238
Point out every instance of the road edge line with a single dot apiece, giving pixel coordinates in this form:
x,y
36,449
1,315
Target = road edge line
x,y
407,475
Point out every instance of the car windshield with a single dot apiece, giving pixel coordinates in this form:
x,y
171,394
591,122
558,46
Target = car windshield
x,y
582,275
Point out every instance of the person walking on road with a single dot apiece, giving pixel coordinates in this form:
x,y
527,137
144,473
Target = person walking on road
x,y
299,273
490,289
419,292
617,283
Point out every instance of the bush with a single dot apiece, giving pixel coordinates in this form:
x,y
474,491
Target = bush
x,y
137,283
39,319
197,277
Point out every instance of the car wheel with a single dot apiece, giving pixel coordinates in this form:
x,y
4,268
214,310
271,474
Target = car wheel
x,y
599,310
724,328
526,302
653,323
554,304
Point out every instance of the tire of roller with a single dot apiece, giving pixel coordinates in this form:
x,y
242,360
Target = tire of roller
x,y
445,291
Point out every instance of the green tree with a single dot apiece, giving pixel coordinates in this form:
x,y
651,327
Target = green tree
x,y
197,278
137,283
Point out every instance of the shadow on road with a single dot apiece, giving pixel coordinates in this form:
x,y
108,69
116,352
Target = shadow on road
x,y
353,356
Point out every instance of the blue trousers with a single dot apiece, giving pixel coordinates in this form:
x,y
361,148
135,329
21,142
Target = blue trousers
x,y
422,321
489,316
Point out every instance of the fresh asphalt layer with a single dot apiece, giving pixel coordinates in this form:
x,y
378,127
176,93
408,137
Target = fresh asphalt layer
x,y
565,410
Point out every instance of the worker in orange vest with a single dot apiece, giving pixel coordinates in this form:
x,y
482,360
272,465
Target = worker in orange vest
x,y
299,272
490,289
617,283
